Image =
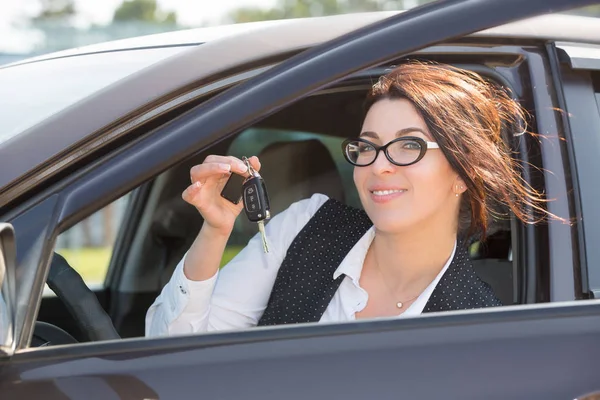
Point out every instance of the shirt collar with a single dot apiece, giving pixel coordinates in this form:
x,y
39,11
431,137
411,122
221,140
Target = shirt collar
x,y
352,264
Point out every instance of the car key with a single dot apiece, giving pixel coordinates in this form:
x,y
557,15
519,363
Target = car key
x,y
256,201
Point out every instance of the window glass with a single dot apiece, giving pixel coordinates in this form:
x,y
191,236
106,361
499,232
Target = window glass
x,y
88,245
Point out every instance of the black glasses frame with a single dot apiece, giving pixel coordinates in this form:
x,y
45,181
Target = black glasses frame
x,y
425,145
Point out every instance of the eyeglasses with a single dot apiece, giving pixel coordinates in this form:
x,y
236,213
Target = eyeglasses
x,y
402,151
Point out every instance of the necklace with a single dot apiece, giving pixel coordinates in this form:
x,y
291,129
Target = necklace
x,y
399,304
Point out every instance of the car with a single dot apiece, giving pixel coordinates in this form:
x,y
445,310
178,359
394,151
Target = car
x,y
122,123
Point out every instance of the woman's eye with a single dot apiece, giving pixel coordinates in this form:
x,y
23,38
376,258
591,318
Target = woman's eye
x,y
411,146
363,147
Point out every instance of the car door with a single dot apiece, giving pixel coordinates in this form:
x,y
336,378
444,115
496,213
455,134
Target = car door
x,y
350,360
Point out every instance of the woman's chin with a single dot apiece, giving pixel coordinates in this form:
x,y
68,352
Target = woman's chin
x,y
386,223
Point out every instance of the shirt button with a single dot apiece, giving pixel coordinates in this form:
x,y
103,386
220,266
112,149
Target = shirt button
x,y
182,290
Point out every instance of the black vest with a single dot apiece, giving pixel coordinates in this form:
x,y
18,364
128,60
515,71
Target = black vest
x,y
304,285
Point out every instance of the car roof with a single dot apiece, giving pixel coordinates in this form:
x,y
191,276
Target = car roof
x,y
559,27
58,137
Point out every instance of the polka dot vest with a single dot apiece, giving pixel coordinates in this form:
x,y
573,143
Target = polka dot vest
x,y
304,285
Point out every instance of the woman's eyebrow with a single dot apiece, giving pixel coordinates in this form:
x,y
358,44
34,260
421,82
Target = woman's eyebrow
x,y
369,134
406,131
401,132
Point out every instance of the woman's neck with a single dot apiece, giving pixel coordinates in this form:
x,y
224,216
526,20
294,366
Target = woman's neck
x,y
413,259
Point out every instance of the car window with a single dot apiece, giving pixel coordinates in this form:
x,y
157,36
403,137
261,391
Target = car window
x,y
32,92
88,245
295,165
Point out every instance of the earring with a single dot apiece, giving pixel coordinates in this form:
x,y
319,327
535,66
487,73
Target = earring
x,y
458,190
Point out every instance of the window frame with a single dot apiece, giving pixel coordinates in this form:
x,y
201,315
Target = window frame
x,y
92,175
89,176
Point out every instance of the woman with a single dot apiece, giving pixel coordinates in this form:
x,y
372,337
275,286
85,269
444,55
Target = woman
x,y
430,166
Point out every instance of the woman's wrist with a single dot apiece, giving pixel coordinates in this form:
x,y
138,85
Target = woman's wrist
x,y
211,233
204,257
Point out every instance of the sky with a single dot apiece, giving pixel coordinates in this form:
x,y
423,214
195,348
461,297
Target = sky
x,y
189,12
13,13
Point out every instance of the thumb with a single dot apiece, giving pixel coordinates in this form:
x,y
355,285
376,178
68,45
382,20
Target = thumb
x,y
255,162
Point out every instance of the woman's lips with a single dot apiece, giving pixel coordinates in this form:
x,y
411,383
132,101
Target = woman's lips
x,y
385,195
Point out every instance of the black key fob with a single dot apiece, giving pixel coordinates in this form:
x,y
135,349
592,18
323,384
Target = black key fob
x,y
256,199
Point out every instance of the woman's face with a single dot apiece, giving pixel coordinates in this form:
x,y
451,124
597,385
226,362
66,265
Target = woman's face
x,y
398,198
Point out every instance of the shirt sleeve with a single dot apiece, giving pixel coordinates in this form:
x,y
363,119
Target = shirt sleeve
x,y
237,295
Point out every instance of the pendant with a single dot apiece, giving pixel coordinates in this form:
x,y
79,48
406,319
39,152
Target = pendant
x,y
399,304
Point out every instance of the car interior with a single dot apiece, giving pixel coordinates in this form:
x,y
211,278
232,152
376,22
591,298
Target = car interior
x,y
300,151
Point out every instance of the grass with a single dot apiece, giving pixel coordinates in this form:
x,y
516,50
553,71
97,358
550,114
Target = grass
x,y
92,262
229,253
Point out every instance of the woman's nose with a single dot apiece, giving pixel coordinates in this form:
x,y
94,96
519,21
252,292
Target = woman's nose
x,y
382,165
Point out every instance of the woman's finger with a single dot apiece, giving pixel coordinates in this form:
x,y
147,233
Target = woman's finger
x,y
190,194
255,162
214,186
201,195
237,165
202,172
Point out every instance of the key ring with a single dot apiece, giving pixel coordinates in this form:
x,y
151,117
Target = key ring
x,y
251,170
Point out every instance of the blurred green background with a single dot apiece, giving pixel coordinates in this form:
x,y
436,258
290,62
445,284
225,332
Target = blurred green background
x,y
92,262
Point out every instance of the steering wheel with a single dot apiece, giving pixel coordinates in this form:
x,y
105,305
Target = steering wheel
x,y
80,301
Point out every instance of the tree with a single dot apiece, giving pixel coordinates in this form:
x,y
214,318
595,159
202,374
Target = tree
x,y
590,11
314,8
55,9
144,11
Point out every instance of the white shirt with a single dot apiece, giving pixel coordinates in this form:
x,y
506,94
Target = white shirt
x,y
237,295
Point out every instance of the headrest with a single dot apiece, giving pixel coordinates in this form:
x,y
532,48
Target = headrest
x,y
176,219
293,171
296,170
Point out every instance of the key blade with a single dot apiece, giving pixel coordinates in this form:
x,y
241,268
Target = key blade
x,y
263,235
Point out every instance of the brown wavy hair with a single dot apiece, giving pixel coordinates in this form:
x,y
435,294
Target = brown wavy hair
x,y
466,116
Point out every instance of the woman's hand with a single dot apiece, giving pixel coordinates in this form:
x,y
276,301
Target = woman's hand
x,y
208,180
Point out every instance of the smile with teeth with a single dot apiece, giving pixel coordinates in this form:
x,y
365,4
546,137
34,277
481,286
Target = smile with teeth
x,y
386,192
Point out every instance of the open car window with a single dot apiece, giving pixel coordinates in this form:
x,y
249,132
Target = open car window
x,y
300,157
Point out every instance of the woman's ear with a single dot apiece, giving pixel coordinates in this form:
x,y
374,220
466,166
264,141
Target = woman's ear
x,y
459,186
